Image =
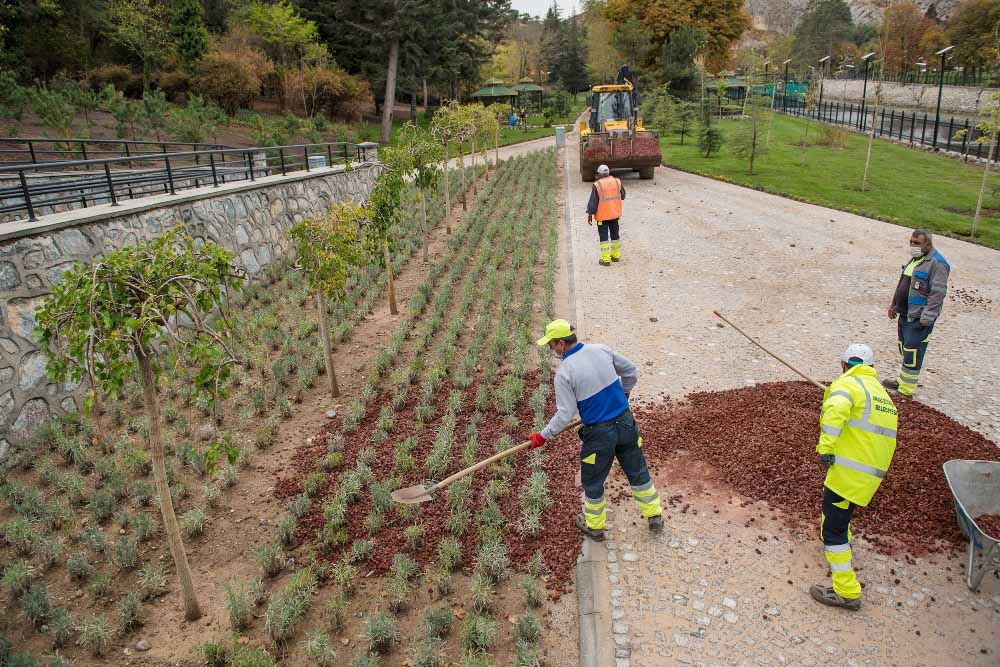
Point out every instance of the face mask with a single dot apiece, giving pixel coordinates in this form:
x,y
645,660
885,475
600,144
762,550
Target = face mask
x,y
916,251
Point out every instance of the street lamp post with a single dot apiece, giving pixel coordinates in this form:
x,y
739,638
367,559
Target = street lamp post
x,y
822,75
784,88
937,114
866,59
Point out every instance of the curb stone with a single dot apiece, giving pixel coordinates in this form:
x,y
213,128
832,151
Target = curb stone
x,y
597,648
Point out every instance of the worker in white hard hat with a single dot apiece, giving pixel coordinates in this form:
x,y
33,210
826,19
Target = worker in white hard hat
x,y
856,442
605,205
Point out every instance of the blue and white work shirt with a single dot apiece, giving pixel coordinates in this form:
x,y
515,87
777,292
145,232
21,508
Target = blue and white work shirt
x,y
591,380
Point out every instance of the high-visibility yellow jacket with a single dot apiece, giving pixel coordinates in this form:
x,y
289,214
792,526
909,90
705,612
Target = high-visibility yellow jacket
x,y
858,426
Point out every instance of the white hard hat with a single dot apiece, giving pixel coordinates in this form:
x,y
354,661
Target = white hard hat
x,y
603,170
859,351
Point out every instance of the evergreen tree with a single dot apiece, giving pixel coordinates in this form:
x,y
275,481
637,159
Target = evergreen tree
x,y
552,43
187,26
679,69
825,23
572,62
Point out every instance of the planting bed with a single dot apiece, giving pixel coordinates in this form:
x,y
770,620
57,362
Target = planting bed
x,y
760,441
81,549
459,380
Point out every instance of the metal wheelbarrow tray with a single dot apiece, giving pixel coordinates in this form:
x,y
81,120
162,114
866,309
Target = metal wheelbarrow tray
x,y
976,488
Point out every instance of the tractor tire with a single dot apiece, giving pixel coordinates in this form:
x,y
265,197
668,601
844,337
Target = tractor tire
x,y
646,173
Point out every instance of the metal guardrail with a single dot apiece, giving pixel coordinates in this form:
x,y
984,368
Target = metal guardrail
x,y
107,181
987,77
36,150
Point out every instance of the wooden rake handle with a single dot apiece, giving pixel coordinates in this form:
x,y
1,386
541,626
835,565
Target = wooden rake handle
x,y
767,351
493,459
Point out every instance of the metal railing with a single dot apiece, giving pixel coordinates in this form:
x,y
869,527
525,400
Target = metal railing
x,y
36,189
987,77
36,150
916,128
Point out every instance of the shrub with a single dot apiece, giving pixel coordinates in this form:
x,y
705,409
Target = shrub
x,y
483,593
536,565
119,76
251,657
16,578
173,84
129,610
492,561
60,627
361,550
315,483
363,659
143,493
20,536
271,558
528,628
101,506
403,567
437,621
450,553
78,567
414,535
126,553
35,604
193,522
534,593
318,648
299,506
100,585
288,607
152,581
526,654
380,632
145,526
428,652
212,494
216,654
238,601
344,575
398,592
95,635
479,633
336,611
332,461
286,530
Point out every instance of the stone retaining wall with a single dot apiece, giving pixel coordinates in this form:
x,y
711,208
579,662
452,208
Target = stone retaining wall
x,y
955,100
249,219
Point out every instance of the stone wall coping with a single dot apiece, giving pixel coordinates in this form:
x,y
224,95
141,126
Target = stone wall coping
x,y
81,216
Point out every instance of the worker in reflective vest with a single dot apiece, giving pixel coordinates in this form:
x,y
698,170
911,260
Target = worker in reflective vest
x,y
595,381
856,443
606,206
917,302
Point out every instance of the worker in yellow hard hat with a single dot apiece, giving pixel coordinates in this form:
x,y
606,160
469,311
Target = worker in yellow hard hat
x,y
595,381
856,442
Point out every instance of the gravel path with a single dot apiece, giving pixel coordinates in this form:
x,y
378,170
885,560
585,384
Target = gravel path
x,y
731,588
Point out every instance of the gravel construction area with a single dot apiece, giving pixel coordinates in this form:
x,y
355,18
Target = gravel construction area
x,y
806,282
760,441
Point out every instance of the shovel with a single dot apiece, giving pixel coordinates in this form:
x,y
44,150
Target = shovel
x,y
413,495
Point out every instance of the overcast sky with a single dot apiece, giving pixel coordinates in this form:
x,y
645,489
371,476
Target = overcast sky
x,y
539,7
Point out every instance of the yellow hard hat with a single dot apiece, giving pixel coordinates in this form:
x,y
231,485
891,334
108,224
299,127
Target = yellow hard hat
x,y
556,329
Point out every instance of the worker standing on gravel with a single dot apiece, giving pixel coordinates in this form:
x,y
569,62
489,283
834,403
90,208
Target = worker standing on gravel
x,y
856,442
605,205
595,381
917,302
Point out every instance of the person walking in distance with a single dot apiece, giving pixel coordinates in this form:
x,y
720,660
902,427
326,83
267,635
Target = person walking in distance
x,y
595,381
857,439
605,205
917,303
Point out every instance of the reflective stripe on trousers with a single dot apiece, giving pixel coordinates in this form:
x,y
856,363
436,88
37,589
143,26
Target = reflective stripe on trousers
x,y
647,499
835,532
595,512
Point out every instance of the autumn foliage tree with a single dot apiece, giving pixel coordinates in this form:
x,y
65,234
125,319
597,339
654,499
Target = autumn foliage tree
x,y
121,311
383,211
327,246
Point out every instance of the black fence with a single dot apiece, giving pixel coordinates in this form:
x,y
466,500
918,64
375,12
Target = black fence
x,y
36,150
915,127
33,190
987,77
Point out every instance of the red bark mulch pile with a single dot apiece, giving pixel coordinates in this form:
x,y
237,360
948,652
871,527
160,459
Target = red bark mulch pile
x,y
559,540
761,441
989,524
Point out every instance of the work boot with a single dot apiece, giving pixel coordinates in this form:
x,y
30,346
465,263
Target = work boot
x,y
826,595
656,523
596,535
604,262
891,385
616,258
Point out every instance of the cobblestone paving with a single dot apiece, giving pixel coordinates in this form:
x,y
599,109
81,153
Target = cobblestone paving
x,y
806,281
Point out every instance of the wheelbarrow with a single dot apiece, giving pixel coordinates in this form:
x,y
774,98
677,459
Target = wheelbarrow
x,y
976,488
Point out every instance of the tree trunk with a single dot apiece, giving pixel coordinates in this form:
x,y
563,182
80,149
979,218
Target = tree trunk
x,y
324,335
496,147
390,90
475,181
986,171
447,192
425,94
192,611
393,310
461,168
413,105
427,231
868,155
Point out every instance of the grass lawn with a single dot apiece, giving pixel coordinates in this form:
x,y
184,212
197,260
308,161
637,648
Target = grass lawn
x,y
906,186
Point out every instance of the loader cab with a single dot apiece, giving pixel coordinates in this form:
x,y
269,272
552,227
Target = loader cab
x,y
610,110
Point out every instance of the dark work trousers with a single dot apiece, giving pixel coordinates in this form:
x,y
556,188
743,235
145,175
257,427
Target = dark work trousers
x,y
602,444
608,228
835,531
913,338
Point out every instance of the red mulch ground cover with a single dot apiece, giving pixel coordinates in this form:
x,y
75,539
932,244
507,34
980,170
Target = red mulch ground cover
x,y
761,441
989,524
559,540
